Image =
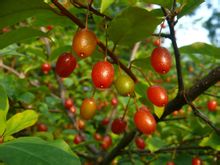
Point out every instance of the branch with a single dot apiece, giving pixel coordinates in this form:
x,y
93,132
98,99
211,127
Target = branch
x,y
204,118
127,138
193,92
65,12
162,35
90,8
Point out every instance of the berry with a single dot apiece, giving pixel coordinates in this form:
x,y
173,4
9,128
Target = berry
x,y
65,64
157,95
68,103
118,126
170,163
49,27
161,60
212,105
102,74
72,109
105,121
80,124
97,136
145,121
42,127
114,101
124,85
106,142
196,161
77,139
84,43
88,108
45,68
156,43
140,143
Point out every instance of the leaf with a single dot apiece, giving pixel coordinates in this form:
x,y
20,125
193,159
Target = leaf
x,y
201,48
26,97
212,141
59,51
132,25
155,143
3,109
18,35
20,121
167,3
158,111
105,4
12,11
188,6
35,151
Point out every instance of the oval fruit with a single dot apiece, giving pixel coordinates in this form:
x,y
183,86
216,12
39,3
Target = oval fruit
x,y
65,64
84,43
68,103
45,68
212,105
102,74
77,139
106,142
196,161
157,95
145,121
124,85
140,143
118,126
170,163
88,108
42,127
161,60
114,101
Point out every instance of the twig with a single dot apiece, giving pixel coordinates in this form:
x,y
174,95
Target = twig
x,y
90,8
12,70
162,35
100,44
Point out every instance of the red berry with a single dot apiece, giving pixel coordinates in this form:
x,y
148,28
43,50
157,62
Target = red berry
x,y
114,101
157,95
170,163
72,109
212,105
106,142
145,121
65,65
161,60
156,43
102,74
80,124
196,161
78,139
105,121
84,43
68,103
140,143
45,67
42,127
49,27
88,108
97,136
118,126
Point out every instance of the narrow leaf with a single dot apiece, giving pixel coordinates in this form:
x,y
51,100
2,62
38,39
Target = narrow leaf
x,y
158,111
105,4
201,48
3,109
20,121
18,35
211,141
132,25
35,151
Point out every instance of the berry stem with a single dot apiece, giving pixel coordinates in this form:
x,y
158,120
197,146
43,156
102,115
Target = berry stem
x,y
126,108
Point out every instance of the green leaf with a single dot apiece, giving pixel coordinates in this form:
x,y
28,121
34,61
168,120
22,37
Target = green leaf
x,y
201,48
3,109
105,4
18,35
132,25
35,151
20,121
188,6
26,97
212,140
155,143
166,3
12,11
158,111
